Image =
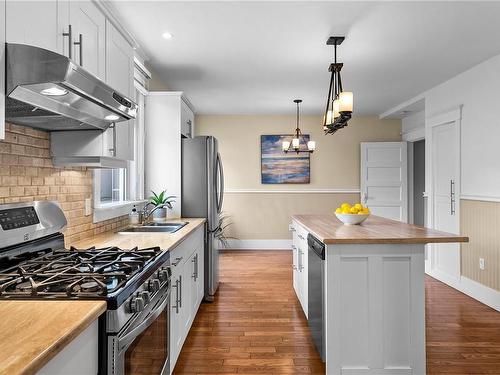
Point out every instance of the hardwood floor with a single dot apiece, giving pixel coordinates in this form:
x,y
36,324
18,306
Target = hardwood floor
x,y
256,325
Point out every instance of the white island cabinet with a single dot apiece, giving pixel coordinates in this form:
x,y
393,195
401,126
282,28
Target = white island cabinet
x,y
300,264
373,293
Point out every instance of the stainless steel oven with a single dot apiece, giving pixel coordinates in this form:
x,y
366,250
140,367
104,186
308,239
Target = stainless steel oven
x,y
141,345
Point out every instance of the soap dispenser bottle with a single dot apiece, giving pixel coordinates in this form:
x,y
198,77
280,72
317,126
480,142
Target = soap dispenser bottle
x,y
133,217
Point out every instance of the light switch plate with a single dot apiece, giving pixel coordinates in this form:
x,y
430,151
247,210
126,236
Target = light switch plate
x,y
88,207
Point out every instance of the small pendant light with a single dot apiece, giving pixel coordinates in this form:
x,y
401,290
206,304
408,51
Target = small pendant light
x,y
339,104
298,139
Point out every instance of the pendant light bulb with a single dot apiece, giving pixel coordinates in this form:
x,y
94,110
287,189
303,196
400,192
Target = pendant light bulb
x,y
311,145
345,101
285,145
296,143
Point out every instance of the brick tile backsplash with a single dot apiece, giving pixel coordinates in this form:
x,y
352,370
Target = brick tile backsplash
x,y
27,174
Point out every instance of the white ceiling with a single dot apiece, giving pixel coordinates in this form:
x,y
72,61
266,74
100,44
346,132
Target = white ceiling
x,y
256,57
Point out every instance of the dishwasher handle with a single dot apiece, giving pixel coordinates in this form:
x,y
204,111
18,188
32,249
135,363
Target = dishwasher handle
x,y
316,245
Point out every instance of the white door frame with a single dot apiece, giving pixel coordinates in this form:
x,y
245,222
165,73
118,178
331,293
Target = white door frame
x,y
455,117
411,138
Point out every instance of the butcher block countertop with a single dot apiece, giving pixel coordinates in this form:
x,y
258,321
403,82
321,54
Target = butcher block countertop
x,y
375,230
33,332
165,241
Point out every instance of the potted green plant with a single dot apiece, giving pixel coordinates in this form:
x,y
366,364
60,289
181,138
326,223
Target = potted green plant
x,y
220,233
163,202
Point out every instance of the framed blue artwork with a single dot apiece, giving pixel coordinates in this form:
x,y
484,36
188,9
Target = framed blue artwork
x,y
280,168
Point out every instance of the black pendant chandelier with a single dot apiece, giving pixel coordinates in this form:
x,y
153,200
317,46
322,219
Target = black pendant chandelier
x,y
339,103
295,145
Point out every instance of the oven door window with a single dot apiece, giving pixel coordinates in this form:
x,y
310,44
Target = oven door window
x,y
148,354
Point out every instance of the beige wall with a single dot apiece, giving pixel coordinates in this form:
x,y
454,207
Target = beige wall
x,y
481,222
334,165
27,174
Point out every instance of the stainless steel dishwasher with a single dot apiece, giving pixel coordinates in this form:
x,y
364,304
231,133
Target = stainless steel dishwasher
x,y
316,293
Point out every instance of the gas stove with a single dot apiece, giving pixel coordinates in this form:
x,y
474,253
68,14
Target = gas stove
x,y
75,273
135,282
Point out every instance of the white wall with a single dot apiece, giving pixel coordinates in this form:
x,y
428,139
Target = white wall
x,y
478,90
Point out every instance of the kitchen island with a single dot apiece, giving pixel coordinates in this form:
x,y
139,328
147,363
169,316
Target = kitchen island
x,y
371,303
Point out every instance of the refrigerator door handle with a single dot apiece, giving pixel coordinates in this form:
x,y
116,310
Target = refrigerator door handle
x,y
220,182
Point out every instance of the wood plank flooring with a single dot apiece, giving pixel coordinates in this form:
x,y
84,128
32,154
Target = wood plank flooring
x,y
256,325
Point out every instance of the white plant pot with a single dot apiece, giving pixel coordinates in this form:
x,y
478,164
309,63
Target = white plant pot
x,y
160,214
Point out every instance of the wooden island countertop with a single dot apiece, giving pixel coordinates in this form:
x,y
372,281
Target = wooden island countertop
x,y
124,240
375,230
33,332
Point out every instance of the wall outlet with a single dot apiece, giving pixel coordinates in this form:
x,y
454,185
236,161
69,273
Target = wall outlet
x,y
88,207
481,264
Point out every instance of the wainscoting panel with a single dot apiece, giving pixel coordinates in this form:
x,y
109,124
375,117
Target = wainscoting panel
x,y
480,221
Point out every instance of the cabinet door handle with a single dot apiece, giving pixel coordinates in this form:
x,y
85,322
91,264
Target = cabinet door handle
x,y
176,286
80,45
180,291
452,197
112,150
195,267
293,247
294,267
69,34
300,236
301,267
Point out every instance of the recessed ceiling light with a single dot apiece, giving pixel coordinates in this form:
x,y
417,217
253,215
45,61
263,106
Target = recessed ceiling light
x,y
111,117
167,35
54,91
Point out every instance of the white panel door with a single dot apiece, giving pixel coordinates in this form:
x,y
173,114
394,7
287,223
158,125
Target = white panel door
x,y
90,23
445,172
384,179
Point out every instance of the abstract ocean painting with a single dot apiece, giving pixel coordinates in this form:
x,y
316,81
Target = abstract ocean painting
x,y
280,168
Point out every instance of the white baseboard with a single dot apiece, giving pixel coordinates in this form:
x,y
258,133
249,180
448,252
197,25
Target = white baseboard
x,y
480,292
259,244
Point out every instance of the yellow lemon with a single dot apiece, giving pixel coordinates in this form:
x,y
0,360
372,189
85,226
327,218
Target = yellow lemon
x,y
354,210
359,206
345,205
346,210
338,211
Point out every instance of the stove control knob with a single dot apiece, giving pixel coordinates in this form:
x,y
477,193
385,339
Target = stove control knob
x,y
136,304
163,275
153,285
146,296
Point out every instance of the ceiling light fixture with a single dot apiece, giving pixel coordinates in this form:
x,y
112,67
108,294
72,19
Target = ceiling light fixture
x,y
295,143
167,35
339,103
54,91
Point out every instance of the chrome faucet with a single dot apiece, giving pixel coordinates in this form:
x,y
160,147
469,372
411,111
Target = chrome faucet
x,y
145,214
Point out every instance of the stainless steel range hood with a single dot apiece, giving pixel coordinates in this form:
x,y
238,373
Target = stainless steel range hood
x,y
49,91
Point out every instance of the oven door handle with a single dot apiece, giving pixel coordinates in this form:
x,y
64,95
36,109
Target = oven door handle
x,y
126,340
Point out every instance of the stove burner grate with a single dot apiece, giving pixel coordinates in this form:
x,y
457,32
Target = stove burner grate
x,y
91,273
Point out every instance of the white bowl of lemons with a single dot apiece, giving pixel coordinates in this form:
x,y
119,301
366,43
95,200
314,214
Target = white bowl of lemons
x,y
352,215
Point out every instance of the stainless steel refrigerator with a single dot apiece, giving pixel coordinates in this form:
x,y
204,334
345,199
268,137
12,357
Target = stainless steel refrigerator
x,y
202,193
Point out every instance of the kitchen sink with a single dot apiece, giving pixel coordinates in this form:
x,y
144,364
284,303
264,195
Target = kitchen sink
x,y
156,227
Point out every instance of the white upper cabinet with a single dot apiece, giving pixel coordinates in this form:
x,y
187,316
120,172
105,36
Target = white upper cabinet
x,y
2,76
89,36
120,76
35,23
